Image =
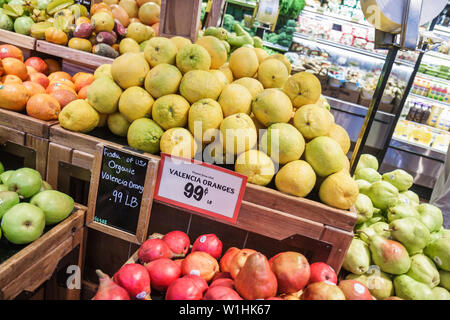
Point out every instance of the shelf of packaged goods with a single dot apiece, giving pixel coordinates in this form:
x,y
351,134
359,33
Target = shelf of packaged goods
x,y
298,37
417,148
429,100
433,78
330,16
437,55
275,46
251,5
433,129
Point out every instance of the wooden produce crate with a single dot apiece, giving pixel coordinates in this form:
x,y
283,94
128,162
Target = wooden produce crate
x,y
25,138
84,61
28,267
25,43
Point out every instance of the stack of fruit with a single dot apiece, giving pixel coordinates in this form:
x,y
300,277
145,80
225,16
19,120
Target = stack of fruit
x,y
239,274
182,99
233,40
28,204
404,239
38,86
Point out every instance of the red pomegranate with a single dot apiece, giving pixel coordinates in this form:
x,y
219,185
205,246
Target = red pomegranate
x,y
223,282
178,241
221,293
135,279
108,289
162,273
190,287
153,249
208,243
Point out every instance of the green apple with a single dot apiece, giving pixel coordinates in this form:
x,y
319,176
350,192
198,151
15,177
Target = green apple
x,y
5,176
56,205
45,186
3,187
25,181
23,223
8,199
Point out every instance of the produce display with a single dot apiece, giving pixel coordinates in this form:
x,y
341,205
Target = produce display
x,y
109,29
28,204
400,247
169,267
422,135
37,86
186,99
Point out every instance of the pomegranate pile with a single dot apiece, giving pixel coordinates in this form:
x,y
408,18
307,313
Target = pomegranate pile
x,y
171,266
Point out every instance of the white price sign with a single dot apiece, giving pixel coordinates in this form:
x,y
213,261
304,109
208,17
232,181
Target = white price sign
x,y
200,187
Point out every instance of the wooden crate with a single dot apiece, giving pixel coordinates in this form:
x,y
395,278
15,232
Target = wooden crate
x,y
34,264
83,60
26,139
26,43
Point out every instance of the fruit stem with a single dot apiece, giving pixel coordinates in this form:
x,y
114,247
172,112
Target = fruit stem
x,y
100,274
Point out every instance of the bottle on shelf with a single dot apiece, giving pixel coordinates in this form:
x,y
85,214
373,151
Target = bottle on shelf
x,y
412,111
426,114
432,118
442,120
418,115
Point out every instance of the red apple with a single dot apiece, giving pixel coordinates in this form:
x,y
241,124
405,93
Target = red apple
x,y
355,290
208,243
178,241
322,272
37,63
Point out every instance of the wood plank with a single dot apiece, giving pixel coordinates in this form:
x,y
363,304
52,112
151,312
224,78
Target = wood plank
x,y
83,58
82,159
56,153
18,263
341,242
180,18
215,14
40,145
300,207
17,39
11,135
25,123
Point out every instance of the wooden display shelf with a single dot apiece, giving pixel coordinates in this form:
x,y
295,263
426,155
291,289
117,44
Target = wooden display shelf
x,y
22,122
78,57
17,39
34,264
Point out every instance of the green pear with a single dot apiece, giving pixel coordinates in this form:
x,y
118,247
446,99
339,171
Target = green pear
x,y
424,270
45,186
444,279
440,293
439,252
23,223
391,256
383,194
25,181
401,211
367,161
363,186
409,289
412,233
400,179
357,258
5,176
368,174
379,228
8,199
379,283
3,187
435,235
2,168
364,208
412,196
56,205
431,216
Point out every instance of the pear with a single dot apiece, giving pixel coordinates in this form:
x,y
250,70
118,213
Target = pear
x,y
435,235
8,199
409,289
439,252
368,174
444,277
383,194
423,270
357,258
379,283
412,196
3,187
440,293
391,256
363,186
367,161
364,208
412,233
5,176
430,216
400,179
401,211
379,228
45,186
56,205
25,181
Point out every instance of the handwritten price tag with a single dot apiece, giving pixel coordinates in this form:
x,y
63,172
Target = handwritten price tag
x,y
200,187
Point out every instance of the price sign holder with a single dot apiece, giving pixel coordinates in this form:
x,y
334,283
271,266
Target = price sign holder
x,y
200,187
121,193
